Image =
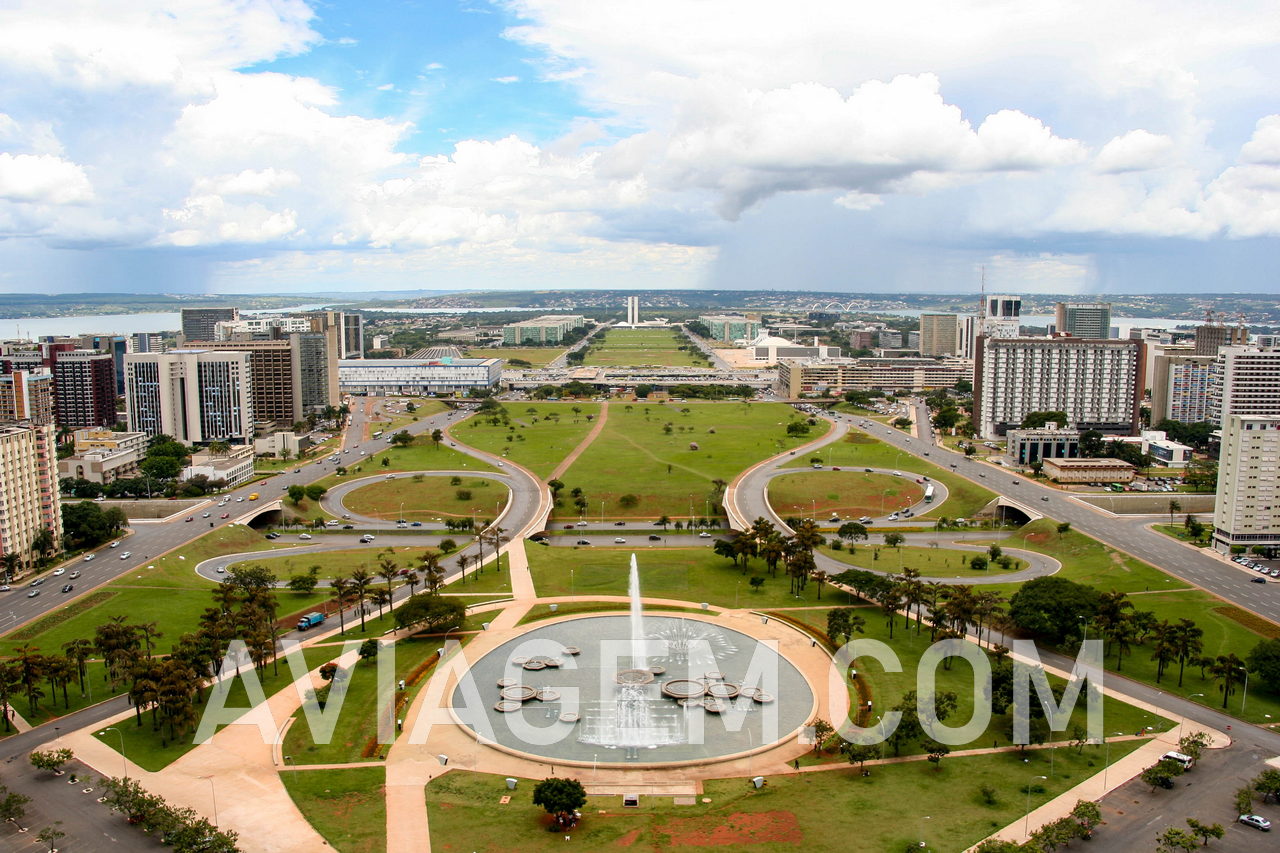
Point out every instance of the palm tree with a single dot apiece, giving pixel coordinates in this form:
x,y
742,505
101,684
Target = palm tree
x,y
387,570
79,650
11,561
360,586
771,550
412,580
10,681
1174,509
1228,670
497,539
432,572
807,535
1164,649
1123,635
663,522
380,597
1187,643
339,592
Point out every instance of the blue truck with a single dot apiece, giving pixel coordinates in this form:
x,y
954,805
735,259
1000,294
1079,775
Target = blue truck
x,y
310,621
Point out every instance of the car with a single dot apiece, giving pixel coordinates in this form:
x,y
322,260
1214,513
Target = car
x,y
835,467
367,538
59,572
346,515
582,524
1256,821
897,473
1258,580
225,515
659,524
115,544
866,519
348,527
500,465
33,593
980,474
1044,498
402,525
402,521
391,476
953,464
868,470
704,535
1015,482
619,524
582,542
333,522
568,527
37,582
126,555
893,517
653,537
297,470
539,540
73,575
415,524
222,570
1275,573
304,535
88,558
273,535
619,540
67,587
239,500
5,588
190,518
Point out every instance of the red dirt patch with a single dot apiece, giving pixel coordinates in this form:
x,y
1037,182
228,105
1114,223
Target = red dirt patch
x,y
1037,538
738,828
627,840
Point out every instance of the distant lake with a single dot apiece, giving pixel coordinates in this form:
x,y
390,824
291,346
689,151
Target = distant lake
x,y
111,324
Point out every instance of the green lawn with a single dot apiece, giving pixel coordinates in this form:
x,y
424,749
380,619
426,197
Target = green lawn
x,y
347,807
860,450
641,347
423,498
335,563
929,562
151,750
541,434
851,494
690,574
1177,531
543,611
422,455
673,472
536,356
893,809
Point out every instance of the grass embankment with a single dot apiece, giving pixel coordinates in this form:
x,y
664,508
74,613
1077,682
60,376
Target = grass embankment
x,y
347,807
536,356
668,455
641,347
1177,531
860,450
429,498
929,562
895,808
689,574
331,564
850,494
541,434
422,455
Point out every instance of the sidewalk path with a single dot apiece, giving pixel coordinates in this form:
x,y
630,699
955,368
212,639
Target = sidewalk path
x,y
584,444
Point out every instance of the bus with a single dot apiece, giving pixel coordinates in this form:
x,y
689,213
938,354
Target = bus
x,y
928,494
377,434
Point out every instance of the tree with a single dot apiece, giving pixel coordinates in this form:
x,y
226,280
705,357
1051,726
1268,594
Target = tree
x,y
13,806
1174,839
1087,814
1161,774
51,835
1264,662
978,563
402,439
315,491
51,760
433,613
1052,607
1228,670
1037,420
1174,509
296,494
561,798
628,501
1206,831
859,753
1267,783
369,649
821,731
936,752
852,531
304,584
1244,800
893,540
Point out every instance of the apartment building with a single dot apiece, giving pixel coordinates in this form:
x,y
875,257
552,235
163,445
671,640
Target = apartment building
x,y
27,395
84,384
1083,319
28,488
798,377
940,334
1247,511
1097,383
1180,385
199,324
195,396
1244,380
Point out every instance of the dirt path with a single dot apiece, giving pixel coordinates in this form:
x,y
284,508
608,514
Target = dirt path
x,y
584,444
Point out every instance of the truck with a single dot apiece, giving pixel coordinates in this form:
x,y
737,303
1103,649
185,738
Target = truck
x,y
310,621
928,494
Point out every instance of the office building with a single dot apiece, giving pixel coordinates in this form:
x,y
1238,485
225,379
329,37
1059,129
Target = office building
x,y
84,384
393,376
352,336
141,342
768,349
198,324
633,310
1088,470
249,328
1266,341
939,334
195,396
835,376
1244,380
1180,385
234,467
104,456
1097,383
28,488
1083,319
1000,316
1033,445
966,336
1155,443
1211,337
730,328
1247,511
381,341
548,329
27,395
862,339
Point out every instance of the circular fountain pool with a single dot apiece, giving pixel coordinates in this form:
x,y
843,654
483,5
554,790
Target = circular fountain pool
x,y
603,711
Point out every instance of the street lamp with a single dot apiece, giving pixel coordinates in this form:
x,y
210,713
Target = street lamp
x,y
1245,695
1026,825
124,764
214,793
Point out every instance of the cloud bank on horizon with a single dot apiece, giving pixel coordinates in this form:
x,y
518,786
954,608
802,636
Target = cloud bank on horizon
x,y
241,144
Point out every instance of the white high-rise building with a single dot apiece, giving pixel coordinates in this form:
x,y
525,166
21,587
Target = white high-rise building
x,y
1180,386
1244,380
195,396
633,310
1000,316
1098,384
28,488
1247,511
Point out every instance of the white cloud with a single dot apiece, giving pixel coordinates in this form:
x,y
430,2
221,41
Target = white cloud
x,y
1135,151
510,78
42,179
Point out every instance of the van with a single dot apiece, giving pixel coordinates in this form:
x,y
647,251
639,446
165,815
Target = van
x,y
1186,761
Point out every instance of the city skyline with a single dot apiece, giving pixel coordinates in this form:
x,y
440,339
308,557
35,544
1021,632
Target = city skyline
x,y
211,146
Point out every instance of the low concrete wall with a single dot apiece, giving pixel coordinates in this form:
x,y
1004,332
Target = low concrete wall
x,y
1131,503
153,508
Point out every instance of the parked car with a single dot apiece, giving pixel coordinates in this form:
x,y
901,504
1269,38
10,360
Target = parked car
x,y
1256,821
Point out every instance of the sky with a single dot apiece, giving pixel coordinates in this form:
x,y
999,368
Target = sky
x,y
192,146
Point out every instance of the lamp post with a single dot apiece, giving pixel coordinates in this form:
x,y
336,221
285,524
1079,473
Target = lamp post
x,y
213,793
1026,824
1106,758
124,764
1245,695
1183,721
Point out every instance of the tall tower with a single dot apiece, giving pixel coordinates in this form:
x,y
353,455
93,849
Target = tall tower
x,y
633,310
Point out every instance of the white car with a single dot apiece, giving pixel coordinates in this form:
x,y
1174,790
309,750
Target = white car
x,y
239,500
704,535
115,544
1256,821
305,536
88,557
619,540
333,522
57,572
126,555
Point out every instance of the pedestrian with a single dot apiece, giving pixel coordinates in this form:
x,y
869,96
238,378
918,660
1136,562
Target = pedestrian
x,y
796,764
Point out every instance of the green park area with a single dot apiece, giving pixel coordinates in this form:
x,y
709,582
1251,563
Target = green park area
x,y
428,498
346,806
532,356
929,561
422,455
897,807
643,347
655,459
860,450
536,435
849,494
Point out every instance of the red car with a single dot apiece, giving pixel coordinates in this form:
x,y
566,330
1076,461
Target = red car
x,y
225,515
191,518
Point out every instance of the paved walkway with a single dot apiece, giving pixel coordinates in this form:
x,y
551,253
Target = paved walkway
x,y
591,435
